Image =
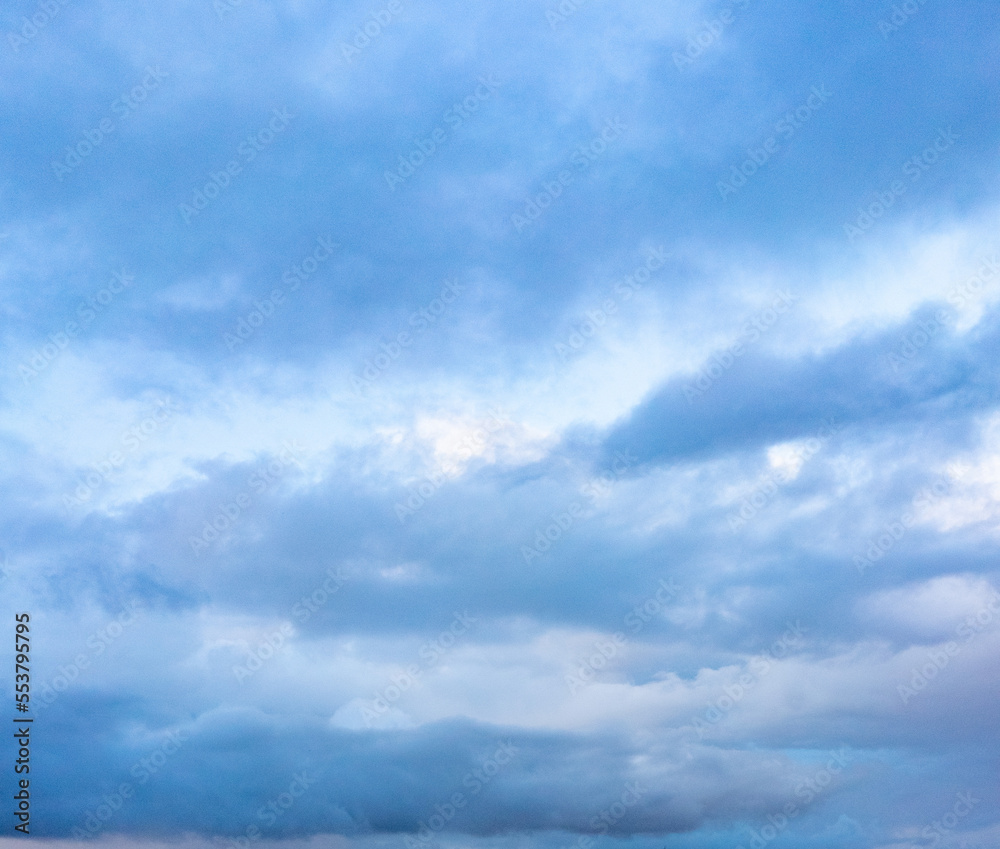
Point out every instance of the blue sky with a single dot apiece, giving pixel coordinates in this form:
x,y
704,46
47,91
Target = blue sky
x,y
503,426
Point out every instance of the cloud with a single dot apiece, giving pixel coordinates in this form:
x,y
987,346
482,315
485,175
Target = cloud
x,y
323,552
